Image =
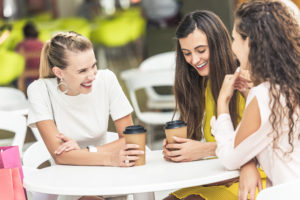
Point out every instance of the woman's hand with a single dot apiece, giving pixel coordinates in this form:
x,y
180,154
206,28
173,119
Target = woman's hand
x,y
188,150
249,180
165,150
67,145
126,155
226,92
243,82
227,89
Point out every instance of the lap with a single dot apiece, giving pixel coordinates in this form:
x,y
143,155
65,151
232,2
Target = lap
x,y
190,197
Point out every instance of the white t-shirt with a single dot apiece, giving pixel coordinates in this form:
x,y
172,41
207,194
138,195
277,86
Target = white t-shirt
x,y
278,166
84,117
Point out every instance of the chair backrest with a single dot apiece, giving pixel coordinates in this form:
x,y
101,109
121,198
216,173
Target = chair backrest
x,y
136,79
163,61
35,155
36,133
14,123
289,190
12,65
13,100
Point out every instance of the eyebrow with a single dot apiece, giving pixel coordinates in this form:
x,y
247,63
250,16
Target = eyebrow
x,y
195,47
87,67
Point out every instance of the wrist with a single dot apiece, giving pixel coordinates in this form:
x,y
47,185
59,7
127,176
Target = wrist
x,y
222,106
223,100
206,149
105,156
211,149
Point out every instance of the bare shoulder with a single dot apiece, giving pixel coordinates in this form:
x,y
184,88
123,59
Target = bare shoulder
x,y
250,122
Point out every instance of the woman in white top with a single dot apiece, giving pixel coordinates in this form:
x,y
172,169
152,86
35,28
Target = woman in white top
x,y
266,40
71,102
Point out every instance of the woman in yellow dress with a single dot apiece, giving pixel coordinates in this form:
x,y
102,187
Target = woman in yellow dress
x,y
203,58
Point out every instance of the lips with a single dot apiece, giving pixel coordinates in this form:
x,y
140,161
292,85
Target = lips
x,y
87,85
202,66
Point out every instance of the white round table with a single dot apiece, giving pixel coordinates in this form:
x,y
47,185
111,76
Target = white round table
x,y
156,175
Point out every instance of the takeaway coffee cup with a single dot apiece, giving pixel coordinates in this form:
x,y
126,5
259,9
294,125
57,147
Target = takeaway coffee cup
x,y
175,128
136,135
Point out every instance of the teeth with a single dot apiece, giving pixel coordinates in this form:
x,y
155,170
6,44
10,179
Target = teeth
x,y
199,66
89,84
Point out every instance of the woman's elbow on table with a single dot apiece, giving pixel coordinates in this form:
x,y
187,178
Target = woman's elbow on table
x,y
59,160
228,161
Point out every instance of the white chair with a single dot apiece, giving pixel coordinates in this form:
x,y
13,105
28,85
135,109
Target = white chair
x,y
289,190
33,157
14,123
166,62
136,80
13,100
36,133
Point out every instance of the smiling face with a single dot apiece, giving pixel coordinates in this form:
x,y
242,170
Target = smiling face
x,y
240,48
80,72
196,51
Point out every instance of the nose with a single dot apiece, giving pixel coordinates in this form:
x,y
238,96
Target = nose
x,y
92,74
195,60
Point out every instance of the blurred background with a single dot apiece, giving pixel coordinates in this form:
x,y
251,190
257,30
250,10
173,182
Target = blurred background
x,y
124,33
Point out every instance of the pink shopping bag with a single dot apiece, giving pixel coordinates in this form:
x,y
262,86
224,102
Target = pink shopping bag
x,y
10,158
11,187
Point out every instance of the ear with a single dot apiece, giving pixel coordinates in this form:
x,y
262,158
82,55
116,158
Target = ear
x,y
57,71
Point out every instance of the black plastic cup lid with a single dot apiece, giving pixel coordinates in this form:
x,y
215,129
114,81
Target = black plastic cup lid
x,y
134,129
175,124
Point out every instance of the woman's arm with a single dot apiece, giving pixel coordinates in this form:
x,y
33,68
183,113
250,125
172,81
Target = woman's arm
x,y
113,155
188,150
249,180
121,124
236,149
49,131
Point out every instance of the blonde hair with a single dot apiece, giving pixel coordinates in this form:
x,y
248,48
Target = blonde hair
x,y
54,51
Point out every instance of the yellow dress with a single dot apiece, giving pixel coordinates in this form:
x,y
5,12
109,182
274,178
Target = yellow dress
x,y
220,192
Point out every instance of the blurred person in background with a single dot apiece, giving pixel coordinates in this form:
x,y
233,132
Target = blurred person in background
x,y
30,48
89,9
161,13
5,32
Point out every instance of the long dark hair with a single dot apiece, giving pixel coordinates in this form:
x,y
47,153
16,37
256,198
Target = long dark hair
x,y
274,39
189,86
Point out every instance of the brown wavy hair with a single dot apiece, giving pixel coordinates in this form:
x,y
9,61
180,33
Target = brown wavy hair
x,y
189,87
274,40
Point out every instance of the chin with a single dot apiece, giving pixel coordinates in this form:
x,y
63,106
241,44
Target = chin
x,y
203,73
86,92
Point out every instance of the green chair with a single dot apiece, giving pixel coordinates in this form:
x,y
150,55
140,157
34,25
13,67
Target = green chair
x,y
11,66
77,24
126,26
49,28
